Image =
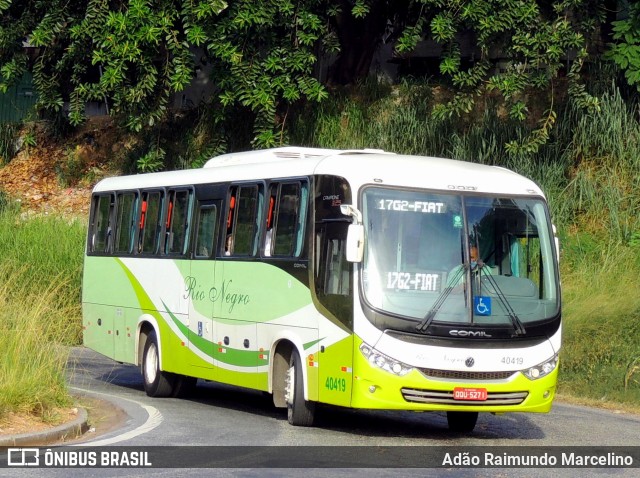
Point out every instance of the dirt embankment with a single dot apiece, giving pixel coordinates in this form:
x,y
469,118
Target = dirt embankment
x,y
31,180
56,177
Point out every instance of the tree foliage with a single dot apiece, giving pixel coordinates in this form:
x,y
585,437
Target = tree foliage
x,y
625,50
520,46
263,56
136,54
132,54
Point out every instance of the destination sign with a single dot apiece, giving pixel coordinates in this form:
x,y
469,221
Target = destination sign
x,y
429,207
413,281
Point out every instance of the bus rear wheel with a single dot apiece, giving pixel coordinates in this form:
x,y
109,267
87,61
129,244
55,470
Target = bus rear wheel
x,y
156,382
463,422
300,412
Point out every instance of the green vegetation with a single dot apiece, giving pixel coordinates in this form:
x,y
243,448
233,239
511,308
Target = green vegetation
x,y
264,57
33,324
40,251
40,271
624,50
601,356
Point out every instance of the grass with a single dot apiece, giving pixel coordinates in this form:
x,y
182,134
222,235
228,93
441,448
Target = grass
x,y
40,252
601,350
33,325
40,271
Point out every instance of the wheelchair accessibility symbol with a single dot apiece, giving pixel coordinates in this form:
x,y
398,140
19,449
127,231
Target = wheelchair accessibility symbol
x,y
482,305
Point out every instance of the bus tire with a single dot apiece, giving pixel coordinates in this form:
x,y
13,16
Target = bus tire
x,y
300,412
462,422
156,382
184,386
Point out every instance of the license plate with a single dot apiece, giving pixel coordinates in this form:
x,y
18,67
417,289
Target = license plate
x,y
478,394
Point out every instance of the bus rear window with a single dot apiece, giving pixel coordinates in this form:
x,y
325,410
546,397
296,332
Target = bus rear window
x,y
101,224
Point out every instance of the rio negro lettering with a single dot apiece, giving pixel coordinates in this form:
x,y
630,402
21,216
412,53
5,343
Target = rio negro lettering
x,y
225,294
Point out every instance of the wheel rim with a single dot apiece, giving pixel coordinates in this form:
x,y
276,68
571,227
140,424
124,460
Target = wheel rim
x,y
289,386
151,364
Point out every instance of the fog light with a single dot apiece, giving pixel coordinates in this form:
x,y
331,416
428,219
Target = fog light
x,y
372,388
546,394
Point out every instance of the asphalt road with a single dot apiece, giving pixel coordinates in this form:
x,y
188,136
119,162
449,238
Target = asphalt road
x,y
221,415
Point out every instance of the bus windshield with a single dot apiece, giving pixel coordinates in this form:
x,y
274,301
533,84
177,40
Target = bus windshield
x,y
458,258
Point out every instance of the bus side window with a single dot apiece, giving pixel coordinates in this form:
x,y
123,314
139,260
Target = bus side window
x,y
243,221
206,232
231,213
125,222
336,277
149,224
268,235
333,271
102,223
177,222
288,228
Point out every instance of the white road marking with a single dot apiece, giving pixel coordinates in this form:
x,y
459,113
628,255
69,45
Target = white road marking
x,y
154,419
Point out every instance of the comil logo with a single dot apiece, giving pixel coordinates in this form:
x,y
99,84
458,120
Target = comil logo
x,y
23,457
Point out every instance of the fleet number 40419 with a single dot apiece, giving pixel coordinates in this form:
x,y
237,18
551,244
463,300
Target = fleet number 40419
x,y
512,360
336,384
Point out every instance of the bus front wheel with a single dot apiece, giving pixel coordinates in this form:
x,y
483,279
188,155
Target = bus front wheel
x,y
463,422
300,412
184,386
156,382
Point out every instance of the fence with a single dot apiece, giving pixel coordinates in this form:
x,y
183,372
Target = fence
x,y
18,101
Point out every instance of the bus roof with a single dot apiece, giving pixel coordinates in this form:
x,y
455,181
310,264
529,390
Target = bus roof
x,y
358,167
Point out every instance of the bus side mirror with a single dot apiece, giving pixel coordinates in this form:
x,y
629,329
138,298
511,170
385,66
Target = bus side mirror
x,y
355,234
355,243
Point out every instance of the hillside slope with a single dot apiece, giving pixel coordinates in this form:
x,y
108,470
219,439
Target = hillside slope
x,y
56,176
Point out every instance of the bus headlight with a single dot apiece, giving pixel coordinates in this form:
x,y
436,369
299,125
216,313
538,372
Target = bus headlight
x,y
541,370
379,360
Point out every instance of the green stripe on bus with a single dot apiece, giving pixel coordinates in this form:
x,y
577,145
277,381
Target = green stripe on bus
x,y
230,356
312,343
143,299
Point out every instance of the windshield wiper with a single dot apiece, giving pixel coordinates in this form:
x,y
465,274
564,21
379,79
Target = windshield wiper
x,y
518,326
423,326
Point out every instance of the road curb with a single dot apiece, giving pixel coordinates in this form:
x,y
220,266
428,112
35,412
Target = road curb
x,y
64,432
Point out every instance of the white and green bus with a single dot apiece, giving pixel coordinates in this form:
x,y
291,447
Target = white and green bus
x,y
359,279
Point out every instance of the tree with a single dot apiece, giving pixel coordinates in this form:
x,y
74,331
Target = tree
x,y
359,28
263,56
135,54
625,48
534,40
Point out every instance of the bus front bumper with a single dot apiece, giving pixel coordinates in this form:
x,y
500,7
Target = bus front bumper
x,y
378,389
